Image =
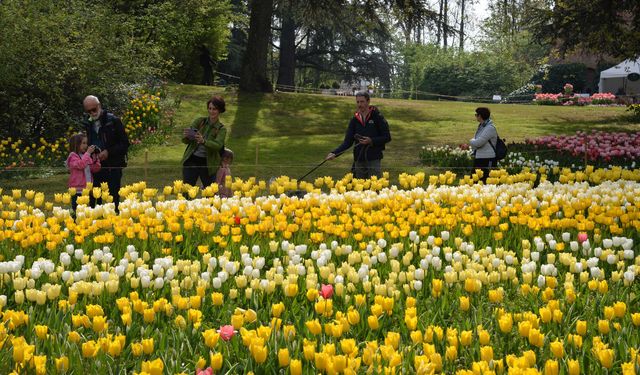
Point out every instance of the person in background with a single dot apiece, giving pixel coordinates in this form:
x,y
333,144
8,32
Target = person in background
x,y
106,133
223,171
207,64
82,163
205,143
483,143
370,131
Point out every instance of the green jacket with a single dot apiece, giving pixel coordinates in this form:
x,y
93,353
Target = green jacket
x,y
214,135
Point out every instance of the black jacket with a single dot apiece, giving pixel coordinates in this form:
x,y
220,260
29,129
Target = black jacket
x,y
375,126
111,137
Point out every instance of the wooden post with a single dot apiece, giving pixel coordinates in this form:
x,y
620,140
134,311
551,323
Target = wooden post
x,y
255,172
146,164
586,154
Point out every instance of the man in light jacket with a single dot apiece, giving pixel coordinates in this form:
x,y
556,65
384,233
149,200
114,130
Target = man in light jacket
x,y
483,143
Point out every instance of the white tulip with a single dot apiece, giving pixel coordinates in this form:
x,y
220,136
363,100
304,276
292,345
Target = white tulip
x,y
78,254
65,259
574,246
417,284
542,281
217,283
629,276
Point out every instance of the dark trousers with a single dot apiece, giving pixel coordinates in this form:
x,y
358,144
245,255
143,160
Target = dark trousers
x,y
486,165
367,169
113,178
74,201
195,167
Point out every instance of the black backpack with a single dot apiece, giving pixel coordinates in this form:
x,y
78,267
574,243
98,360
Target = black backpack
x,y
500,149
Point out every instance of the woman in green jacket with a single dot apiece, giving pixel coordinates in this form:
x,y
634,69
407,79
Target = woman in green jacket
x,y
205,141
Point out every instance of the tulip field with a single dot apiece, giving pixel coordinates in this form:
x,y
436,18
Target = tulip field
x,y
434,274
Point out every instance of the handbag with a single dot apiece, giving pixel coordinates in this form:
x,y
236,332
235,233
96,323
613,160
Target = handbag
x,y
500,149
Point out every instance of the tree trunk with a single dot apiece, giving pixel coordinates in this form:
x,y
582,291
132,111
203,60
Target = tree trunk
x,y
445,27
254,65
462,25
287,66
439,30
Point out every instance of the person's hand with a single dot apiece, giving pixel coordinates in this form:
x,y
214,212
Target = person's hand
x,y
199,138
91,149
103,155
185,133
330,156
365,140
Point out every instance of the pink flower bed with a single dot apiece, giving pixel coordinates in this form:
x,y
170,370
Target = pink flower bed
x,y
573,99
599,145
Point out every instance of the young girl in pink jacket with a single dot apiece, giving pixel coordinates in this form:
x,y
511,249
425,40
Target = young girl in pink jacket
x,y
82,163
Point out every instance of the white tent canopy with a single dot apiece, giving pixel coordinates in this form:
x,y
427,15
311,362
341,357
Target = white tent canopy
x,y
615,81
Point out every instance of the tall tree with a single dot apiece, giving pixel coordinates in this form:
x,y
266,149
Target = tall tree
x,y
287,64
254,64
602,26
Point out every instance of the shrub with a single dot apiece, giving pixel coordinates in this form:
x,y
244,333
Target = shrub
x,y
635,110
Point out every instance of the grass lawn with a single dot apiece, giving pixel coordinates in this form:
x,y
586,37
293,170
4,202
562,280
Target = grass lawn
x,y
287,134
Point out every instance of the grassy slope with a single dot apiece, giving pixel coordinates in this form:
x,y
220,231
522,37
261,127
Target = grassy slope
x,y
293,132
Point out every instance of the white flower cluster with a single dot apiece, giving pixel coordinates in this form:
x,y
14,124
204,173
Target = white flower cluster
x,y
517,160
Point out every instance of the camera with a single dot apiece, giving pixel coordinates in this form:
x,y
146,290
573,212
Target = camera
x,y
190,134
97,150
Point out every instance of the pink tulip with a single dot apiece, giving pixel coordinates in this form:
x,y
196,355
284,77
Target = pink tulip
x,y
226,332
208,371
326,291
582,237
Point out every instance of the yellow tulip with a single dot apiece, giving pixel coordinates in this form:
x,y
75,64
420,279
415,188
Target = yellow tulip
x,y
605,356
373,323
574,367
557,349
147,346
283,357
314,327
62,364
155,367
41,331
211,337
89,349
295,367
603,326
215,361
581,327
486,353
551,367
464,303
